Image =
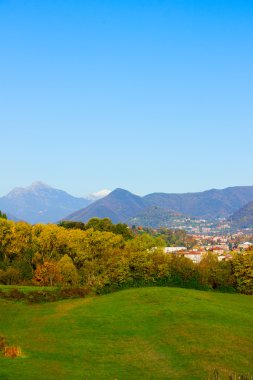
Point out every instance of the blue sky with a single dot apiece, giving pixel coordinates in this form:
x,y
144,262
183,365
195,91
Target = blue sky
x,y
144,95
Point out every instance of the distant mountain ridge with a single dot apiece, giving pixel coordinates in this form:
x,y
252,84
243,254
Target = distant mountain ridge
x,y
40,203
121,205
209,204
243,218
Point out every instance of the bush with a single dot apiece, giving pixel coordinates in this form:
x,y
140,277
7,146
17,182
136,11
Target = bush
x,y
9,351
15,294
12,351
56,295
74,292
39,296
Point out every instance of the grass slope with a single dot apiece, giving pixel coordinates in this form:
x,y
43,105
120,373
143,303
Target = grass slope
x,y
26,289
150,333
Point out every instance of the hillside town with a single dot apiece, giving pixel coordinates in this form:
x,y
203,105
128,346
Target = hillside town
x,y
220,226
222,247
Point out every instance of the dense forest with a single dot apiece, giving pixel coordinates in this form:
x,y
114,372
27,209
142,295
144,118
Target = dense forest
x,y
102,257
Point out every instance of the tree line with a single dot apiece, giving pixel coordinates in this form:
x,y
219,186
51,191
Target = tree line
x,y
103,257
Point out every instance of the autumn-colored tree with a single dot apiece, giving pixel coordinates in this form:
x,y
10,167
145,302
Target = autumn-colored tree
x,y
98,258
68,271
93,245
243,271
183,272
47,274
95,251
21,241
6,235
10,276
143,254
50,241
144,242
215,274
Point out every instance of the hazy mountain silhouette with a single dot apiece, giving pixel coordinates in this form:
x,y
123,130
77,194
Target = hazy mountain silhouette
x,y
243,218
208,204
121,205
40,203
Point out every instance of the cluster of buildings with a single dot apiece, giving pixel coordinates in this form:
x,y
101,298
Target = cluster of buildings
x,y
222,247
203,226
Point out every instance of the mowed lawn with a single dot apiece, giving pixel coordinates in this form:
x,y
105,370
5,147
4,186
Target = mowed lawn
x,y
149,333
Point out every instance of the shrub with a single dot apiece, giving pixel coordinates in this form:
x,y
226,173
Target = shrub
x,y
37,296
9,351
56,295
15,294
74,292
12,351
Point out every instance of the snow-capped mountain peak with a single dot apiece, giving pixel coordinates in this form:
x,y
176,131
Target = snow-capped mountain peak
x,y
98,195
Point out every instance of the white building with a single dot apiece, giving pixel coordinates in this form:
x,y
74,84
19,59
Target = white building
x,y
174,249
196,257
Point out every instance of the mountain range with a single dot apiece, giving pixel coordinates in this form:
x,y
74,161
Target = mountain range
x,y
42,203
121,205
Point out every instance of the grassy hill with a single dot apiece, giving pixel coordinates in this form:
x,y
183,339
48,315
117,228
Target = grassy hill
x,y
151,333
158,217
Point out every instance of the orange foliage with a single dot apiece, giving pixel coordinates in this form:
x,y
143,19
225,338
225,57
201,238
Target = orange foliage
x,y
12,351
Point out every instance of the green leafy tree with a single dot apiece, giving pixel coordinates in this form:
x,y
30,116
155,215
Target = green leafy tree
x,y
183,272
98,224
69,224
3,215
122,229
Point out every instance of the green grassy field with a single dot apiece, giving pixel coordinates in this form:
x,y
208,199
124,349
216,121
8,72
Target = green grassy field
x,y
26,289
149,333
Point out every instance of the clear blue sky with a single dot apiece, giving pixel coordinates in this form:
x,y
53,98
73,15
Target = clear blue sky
x,y
144,95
